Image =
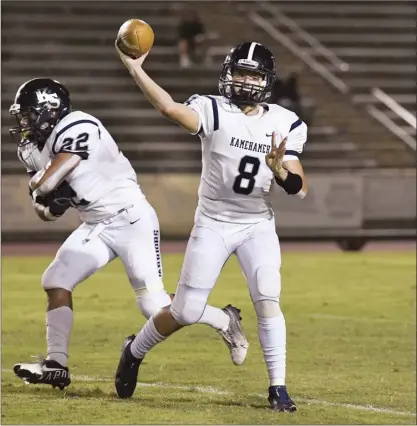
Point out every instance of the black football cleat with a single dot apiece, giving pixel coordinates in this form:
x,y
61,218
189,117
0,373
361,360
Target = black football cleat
x,y
46,372
127,371
234,337
280,400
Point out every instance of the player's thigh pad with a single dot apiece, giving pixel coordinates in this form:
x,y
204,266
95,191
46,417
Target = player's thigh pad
x,y
143,262
135,238
76,260
260,259
204,258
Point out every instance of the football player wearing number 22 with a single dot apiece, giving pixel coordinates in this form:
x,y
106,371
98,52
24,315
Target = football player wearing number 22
x,y
74,161
248,145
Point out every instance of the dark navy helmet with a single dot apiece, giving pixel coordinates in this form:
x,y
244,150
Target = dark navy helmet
x,y
250,57
39,105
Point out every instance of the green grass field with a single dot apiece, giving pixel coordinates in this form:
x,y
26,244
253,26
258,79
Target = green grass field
x,y
351,347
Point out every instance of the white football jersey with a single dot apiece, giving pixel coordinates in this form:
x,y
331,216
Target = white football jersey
x,y
235,181
104,181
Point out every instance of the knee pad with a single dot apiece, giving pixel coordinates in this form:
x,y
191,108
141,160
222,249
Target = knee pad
x,y
150,282
57,276
71,266
188,305
150,302
268,284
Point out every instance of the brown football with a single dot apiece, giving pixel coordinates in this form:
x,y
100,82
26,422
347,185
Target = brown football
x,y
135,38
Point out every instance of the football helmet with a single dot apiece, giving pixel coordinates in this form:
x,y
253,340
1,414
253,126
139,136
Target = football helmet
x,y
39,105
257,59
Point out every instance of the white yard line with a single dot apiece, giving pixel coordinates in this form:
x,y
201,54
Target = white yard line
x,y
209,389
355,407
360,319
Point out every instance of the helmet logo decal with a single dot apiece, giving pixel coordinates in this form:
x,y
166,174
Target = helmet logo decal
x,y
51,98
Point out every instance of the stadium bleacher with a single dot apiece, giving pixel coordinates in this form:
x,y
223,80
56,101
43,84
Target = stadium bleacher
x,y
73,43
377,41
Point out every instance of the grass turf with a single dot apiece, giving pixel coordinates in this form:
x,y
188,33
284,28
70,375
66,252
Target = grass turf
x,y
350,350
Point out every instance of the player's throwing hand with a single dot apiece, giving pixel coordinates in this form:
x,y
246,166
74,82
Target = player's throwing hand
x,y
274,158
128,60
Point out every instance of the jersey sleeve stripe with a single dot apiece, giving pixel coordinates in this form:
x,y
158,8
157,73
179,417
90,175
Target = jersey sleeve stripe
x,y
188,102
215,113
296,124
291,152
82,154
68,127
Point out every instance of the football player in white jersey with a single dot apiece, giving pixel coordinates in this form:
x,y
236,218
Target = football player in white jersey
x,y
73,160
241,162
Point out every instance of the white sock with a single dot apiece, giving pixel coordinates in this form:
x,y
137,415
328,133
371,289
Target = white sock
x,y
146,339
272,337
58,328
215,317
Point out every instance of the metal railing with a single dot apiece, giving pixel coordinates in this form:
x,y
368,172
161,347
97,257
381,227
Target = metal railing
x,y
278,35
399,111
394,106
328,75
308,38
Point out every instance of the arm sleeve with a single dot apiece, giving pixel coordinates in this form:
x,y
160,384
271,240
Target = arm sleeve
x,y
297,137
207,109
77,138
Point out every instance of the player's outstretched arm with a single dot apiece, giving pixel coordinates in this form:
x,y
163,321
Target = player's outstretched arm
x,y
158,97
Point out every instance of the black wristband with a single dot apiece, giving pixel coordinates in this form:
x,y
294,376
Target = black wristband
x,y
59,200
292,184
58,206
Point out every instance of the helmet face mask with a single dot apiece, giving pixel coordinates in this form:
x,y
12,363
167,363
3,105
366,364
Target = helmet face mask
x,y
38,107
243,87
33,125
248,74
